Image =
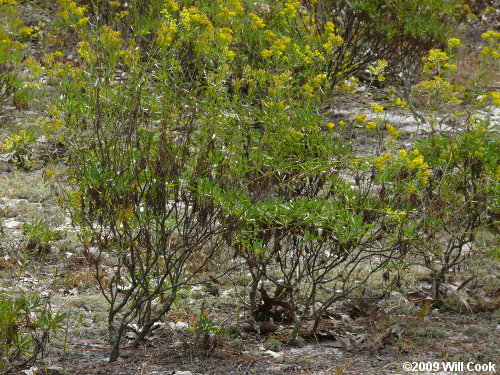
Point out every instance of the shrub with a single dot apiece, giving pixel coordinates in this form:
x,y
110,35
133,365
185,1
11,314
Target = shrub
x,y
40,237
137,148
446,188
21,145
205,124
397,31
11,54
26,326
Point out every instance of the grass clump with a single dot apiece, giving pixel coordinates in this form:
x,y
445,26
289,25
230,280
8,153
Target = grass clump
x,y
430,332
477,331
273,344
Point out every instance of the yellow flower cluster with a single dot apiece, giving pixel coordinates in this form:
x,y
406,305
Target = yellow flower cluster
x,y
402,104
280,83
53,122
314,84
225,38
491,53
360,119
32,32
349,85
277,48
228,11
257,22
11,28
110,39
495,98
17,141
491,35
120,15
329,27
381,160
437,62
396,215
170,5
193,20
454,42
376,108
72,13
34,67
418,163
332,40
441,88
167,31
85,52
371,125
376,71
392,131
290,8
307,54
9,47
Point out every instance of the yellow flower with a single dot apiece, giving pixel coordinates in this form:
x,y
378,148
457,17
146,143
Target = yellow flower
x,y
332,42
166,32
257,22
423,175
396,215
110,38
72,13
495,98
171,5
402,153
436,55
378,69
269,34
360,119
121,15
329,28
83,21
330,125
417,162
392,130
376,107
320,78
454,42
372,125
401,103
381,160
266,53
290,8
342,124
491,35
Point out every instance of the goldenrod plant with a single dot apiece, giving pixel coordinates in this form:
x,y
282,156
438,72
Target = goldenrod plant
x,y
194,129
12,32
